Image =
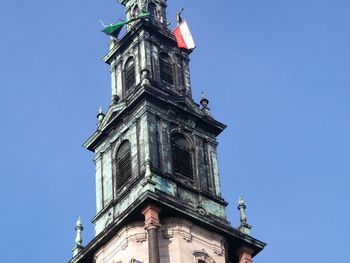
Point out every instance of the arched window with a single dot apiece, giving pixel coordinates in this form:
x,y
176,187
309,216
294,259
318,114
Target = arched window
x,y
130,77
182,156
123,164
152,10
166,68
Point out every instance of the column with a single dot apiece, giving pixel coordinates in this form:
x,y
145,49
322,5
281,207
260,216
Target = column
x,y
151,213
245,255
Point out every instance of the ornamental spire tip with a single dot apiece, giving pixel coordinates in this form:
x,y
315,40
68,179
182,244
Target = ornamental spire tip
x,y
244,227
78,246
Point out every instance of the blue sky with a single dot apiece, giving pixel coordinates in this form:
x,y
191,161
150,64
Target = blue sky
x,y
276,72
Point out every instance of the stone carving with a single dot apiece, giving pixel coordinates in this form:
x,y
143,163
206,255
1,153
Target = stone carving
x,y
218,250
124,244
202,255
168,233
186,236
141,237
201,211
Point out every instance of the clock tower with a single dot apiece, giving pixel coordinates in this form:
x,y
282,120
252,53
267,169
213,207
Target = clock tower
x,y
158,194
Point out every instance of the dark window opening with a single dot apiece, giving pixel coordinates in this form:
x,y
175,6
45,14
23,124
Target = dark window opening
x,y
130,76
123,164
152,10
182,157
166,68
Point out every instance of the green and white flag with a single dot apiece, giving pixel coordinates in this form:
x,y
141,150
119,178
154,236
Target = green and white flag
x,y
114,29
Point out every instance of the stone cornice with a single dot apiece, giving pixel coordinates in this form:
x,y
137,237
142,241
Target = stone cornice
x,y
234,237
151,93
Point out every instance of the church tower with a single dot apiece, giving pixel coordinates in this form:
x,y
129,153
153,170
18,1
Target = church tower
x,y
158,193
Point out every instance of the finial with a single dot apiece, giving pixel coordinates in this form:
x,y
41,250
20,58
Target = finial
x,y
244,227
100,115
178,17
78,239
205,102
115,99
145,74
181,90
148,165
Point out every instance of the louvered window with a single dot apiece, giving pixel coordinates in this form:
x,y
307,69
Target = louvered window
x,y
152,10
130,77
123,164
182,157
166,69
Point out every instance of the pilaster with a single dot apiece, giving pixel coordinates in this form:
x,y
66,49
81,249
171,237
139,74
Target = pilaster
x,y
245,255
151,213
